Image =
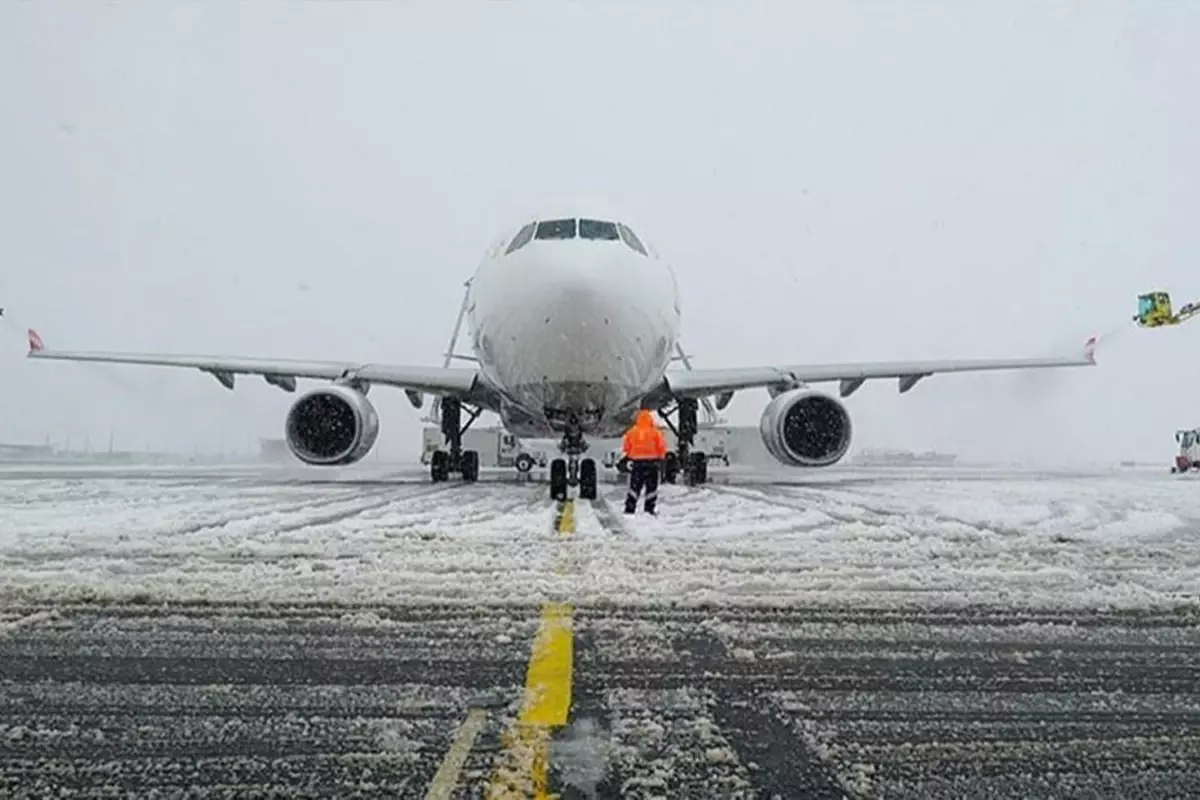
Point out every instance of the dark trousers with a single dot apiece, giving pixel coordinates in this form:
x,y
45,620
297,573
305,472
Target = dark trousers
x,y
642,474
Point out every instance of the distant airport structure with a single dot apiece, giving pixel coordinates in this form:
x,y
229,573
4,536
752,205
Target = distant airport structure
x,y
48,452
903,458
16,451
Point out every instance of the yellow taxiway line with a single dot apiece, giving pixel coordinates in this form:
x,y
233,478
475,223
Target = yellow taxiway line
x,y
524,769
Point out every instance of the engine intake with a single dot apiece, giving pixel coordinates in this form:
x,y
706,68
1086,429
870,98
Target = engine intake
x,y
805,428
331,426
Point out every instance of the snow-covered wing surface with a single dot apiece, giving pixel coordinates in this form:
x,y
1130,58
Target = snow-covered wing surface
x,y
701,382
283,372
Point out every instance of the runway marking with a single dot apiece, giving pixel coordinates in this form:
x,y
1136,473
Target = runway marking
x,y
446,778
524,769
564,518
607,517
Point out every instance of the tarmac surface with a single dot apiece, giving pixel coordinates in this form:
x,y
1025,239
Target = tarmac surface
x,y
207,699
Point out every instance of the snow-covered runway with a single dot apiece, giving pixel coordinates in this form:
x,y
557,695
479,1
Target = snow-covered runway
x,y
879,537
899,633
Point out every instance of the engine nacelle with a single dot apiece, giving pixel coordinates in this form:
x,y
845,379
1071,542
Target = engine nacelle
x,y
331,426
806,428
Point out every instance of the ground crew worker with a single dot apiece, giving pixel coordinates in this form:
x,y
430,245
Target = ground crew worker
x,y
645,447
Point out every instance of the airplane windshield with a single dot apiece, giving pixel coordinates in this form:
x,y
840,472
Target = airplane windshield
x,y
556,229
521,239
630,239
596,229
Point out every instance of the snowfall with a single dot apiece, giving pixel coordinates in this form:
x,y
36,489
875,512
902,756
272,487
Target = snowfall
x,y
877,537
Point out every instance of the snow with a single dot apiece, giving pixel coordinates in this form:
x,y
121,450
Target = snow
x,y
867,537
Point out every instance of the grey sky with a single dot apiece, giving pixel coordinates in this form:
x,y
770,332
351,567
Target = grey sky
x,y
831,181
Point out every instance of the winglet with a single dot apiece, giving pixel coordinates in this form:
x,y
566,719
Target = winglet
x,y
1089,349
35,342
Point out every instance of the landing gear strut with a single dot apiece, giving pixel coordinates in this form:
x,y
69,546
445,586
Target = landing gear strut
x,y
694,466
572,470
455,459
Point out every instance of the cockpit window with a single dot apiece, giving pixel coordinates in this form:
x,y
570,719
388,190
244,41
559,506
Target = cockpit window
x,y
556,229
595,229
522,238
630,239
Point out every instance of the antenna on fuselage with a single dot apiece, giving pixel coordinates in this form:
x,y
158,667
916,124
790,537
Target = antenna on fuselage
x,y
435,408
710,413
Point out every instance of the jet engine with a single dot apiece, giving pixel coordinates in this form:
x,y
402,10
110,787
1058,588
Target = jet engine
x,y
331,426
805,428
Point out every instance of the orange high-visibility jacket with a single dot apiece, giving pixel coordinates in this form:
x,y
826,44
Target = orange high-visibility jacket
x,y
644,442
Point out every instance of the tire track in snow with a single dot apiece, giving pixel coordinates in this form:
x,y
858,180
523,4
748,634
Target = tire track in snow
x,y
338,516
268,508
376,499
431,534
1064,519
874,514
82,495
872,517
854,511
607,516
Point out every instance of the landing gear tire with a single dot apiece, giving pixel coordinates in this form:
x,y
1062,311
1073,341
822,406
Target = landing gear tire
x,y
670,468
587,479
623,466
524,463
439,466
558,479
698,469
470,466
681,458
566,472
454,458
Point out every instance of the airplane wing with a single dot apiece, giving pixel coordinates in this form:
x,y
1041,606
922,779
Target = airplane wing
x,y
282,373
705,382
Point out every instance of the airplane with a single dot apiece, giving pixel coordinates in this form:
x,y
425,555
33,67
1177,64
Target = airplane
x,y
573,319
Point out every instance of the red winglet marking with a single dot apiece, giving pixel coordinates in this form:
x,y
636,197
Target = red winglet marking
x,y
35,342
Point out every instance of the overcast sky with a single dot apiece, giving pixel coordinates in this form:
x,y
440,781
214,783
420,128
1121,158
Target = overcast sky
x,y
831,181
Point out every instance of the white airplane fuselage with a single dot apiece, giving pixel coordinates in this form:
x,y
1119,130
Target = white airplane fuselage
x,y
572,333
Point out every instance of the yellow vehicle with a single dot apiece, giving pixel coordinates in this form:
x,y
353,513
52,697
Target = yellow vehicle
x,y
1154,310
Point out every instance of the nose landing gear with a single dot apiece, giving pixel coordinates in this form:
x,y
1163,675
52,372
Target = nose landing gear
x,y
572,470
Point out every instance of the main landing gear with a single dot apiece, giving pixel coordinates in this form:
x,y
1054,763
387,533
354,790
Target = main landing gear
x,y
694,466
466,462
572,470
